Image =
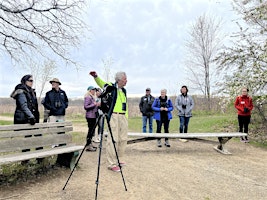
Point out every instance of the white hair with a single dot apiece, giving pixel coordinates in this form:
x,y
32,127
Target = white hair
x,y
119,76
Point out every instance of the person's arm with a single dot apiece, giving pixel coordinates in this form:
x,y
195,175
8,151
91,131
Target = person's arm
x,y
191,103
154,106
66,100
178,104
238,105
88,103
22,100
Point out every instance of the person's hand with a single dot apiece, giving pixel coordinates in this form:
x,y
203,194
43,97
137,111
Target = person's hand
x,y
32,121
93,73
246,110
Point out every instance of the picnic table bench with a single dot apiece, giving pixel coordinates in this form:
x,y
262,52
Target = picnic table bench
x,y
223,138
22,142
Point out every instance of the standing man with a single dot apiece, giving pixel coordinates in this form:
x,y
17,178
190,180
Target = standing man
x,y
56,102
118,119
184,104
145,107
244,106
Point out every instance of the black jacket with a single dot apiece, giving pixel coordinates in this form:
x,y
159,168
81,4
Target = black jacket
x,y
56,102
26,104
145,105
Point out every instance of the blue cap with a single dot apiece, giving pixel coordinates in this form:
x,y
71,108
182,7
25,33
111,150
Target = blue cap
x,y
91,88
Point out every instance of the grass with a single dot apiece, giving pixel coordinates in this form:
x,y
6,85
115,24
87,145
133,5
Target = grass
x,y
199,123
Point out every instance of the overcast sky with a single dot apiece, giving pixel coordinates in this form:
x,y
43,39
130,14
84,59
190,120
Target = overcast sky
x,y
144,38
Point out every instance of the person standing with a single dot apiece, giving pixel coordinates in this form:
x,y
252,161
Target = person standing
x,y
145,107
91,106
26,102
56,102
118,119
244,106
26,106
184,104
162,106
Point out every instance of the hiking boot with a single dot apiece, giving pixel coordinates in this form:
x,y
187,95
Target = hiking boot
x,y
159,143
167,144
115,168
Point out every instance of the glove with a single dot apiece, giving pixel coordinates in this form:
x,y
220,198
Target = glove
x,y
93,73
32,121
246,110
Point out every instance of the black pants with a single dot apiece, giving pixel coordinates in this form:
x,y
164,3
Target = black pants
x,y
243,122
165,124
91,131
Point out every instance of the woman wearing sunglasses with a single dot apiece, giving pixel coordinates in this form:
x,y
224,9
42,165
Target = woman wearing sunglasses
x,y
26,102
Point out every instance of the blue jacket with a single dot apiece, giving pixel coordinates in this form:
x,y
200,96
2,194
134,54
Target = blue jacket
x,y
156,108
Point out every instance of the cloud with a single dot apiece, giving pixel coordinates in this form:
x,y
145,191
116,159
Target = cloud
x,y
144,38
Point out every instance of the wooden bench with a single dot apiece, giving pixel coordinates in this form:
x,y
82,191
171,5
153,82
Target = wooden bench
x,y
222,138
41,140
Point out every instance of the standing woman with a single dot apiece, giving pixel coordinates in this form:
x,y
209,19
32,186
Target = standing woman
x,y
184,104
91,106
244,105
162,107
26,102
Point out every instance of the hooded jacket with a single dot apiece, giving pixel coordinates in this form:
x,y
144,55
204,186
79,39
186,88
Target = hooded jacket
x,y
26,104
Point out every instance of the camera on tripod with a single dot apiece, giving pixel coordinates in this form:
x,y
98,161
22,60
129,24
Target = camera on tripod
x,y
107,99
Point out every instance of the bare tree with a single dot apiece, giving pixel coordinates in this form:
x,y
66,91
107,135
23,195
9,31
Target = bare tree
x,y
108,62
34,28
201,47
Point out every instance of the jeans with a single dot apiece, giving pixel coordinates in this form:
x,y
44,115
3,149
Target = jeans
x,y
184,124
150,122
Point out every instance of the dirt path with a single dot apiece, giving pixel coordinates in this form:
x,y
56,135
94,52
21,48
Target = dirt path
x,y
186,171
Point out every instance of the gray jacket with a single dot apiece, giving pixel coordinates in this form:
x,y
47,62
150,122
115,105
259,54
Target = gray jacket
x,y
184,105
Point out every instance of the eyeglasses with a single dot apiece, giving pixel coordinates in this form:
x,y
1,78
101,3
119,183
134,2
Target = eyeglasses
x,y
30,80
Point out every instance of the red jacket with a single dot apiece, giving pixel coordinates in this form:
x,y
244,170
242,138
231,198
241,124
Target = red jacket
x,y
241,102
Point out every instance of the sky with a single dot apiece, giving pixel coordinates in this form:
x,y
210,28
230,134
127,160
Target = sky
x,y
144,38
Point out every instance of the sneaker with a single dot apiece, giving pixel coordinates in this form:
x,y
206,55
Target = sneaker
x,y
115,168
167,143
96,140
159,143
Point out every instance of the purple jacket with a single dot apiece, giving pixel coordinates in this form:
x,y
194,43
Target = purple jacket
x,y
90,107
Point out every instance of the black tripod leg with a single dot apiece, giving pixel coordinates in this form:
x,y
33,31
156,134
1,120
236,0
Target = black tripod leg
x,y
79,157
113,141
99,155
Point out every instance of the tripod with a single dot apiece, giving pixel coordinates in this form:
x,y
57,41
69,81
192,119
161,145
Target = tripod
x,y
100,119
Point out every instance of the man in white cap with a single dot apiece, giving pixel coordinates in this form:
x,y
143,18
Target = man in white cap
x,y
56,102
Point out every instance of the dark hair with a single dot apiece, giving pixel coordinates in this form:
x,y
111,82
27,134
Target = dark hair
x,y
25,78
185,88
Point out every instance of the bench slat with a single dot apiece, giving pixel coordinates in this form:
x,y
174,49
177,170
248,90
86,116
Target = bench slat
x,y
17,144
187,135
37,125
38,154
18,133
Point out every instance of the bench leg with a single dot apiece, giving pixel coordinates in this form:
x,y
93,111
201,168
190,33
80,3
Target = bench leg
x,y
222,141
67,159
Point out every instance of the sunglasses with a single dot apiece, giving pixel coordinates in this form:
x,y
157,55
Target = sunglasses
x,y
30,80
